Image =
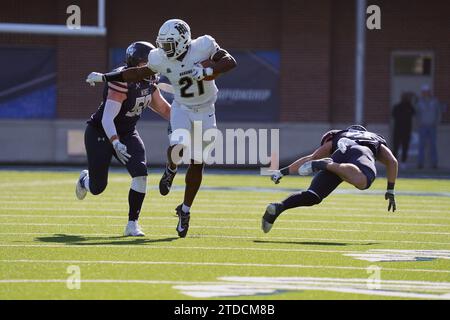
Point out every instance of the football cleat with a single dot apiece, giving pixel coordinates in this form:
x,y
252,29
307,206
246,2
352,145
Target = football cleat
x,y
183,222
273,210
80,190
314,166
166,181
133,229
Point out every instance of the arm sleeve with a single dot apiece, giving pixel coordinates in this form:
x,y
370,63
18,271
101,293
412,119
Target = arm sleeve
x,y
112,109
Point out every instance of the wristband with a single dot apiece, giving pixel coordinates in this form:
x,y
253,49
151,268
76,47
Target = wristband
x,y
114,137
390,186
116,76
285,171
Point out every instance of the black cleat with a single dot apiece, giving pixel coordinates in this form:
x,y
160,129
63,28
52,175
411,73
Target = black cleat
x,y
166,181
183,222
273,210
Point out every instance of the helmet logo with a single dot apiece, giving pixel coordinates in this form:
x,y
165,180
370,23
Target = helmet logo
x,y
181,28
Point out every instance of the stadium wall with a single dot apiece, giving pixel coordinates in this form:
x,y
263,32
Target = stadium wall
x,y
315,40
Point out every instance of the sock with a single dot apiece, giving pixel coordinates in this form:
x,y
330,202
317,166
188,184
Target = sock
x,y
85,183
300,199
135,200
185,208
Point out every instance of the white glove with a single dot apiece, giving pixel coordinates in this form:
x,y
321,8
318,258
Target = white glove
x,y
276,176
199,73
121,151
94,77
344,143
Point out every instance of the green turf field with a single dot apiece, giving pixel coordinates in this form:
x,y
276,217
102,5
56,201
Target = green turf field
x,y
47,236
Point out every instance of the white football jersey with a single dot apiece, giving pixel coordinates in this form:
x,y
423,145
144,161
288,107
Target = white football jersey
x,y
188,91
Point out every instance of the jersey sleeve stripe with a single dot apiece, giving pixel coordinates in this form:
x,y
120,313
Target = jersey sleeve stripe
x,y
117,88
120,84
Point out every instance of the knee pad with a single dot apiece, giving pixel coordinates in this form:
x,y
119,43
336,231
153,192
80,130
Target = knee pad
x,y
139,184
311,198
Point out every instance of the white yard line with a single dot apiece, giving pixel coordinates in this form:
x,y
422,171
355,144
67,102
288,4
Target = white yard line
x,y
228,228
255,238
222,264
232,210
54,216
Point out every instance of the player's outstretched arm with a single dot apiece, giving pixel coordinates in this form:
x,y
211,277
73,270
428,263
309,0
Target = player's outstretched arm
x,y
160,105
321,152
128,75
386,157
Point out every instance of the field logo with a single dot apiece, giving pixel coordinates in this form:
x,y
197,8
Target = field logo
x,y
74,20
374,280
386,255
258,286
74,280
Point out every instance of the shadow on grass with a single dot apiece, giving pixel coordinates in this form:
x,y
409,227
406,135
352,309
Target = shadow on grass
x,y
317,243
83,241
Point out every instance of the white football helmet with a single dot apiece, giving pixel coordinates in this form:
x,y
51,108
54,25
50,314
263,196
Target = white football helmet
x,y
174,37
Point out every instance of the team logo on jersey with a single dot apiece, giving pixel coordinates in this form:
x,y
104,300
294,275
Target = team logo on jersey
x,y
145,92
168,70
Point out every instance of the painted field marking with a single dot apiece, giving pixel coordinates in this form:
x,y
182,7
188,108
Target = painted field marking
x,y
230,227
256,238
251,286
37,216
396,255
213,264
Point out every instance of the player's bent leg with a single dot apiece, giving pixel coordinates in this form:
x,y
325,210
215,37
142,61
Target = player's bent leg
x,y
349,173
171,170
321,186
194,176
300,199
99,153
137,168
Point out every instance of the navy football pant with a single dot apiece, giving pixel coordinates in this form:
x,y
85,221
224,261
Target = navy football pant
x,y
100,151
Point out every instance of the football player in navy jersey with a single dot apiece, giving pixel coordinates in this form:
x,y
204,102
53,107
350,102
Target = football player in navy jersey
x,y
353,153
111,131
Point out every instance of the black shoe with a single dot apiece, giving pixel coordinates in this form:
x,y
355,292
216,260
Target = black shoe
x,y
273,210
183,222
166,181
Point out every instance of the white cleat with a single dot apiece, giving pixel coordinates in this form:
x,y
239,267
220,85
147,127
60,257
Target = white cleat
x,y
132,229
305,169
81,191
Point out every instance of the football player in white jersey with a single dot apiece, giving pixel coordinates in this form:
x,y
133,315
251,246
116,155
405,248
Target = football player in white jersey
x,y
182,60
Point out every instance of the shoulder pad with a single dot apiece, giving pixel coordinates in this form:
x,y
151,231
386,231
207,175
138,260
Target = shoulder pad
x,y
206,43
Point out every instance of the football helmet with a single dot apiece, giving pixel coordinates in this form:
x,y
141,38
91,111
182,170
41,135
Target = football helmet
x,y
137,52
174,37
328,136
356,127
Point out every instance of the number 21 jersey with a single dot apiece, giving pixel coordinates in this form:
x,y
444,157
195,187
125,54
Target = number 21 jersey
x,y
188,91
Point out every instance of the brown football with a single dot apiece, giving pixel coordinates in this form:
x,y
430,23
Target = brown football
x,y
209,63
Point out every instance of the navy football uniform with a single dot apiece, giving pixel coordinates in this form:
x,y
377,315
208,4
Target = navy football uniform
x,y
139,96
99,148
362,154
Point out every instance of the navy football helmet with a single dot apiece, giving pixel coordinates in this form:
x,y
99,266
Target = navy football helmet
x,y
328,136
137,52
356,127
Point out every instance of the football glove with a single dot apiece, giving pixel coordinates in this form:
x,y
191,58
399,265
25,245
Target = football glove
x,y
390,195
94,77
276,176
121,151
199,73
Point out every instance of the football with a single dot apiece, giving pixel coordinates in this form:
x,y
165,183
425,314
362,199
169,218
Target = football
x,y
209,63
